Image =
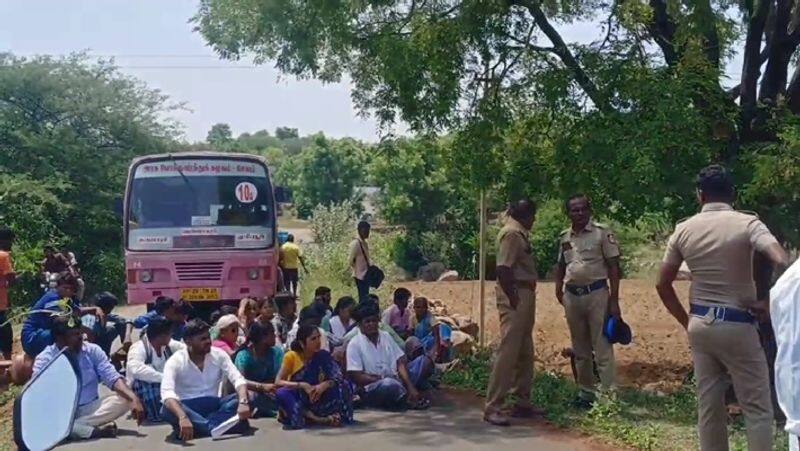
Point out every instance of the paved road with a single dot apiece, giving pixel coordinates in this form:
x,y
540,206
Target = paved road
x,y
453,424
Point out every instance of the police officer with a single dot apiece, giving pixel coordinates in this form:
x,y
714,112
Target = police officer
x,y
516,302
587,285
718,245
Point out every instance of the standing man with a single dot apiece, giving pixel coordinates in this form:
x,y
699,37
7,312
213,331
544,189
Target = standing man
x,y
7,278
291,257
717,245
516,303
588,262
359,260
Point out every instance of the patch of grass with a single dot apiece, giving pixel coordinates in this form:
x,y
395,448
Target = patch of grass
x,y
6,417
627,417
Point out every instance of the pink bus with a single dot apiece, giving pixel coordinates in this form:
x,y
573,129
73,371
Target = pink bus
x,y
200,226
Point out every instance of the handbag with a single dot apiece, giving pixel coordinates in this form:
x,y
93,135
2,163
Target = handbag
x,y
375,275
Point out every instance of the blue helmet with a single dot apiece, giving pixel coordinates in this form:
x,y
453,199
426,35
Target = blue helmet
x,y
616,331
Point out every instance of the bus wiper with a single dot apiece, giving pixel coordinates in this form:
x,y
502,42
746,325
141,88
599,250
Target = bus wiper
x,y
185,179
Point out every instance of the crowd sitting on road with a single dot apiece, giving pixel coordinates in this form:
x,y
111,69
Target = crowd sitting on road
x,y
261,360
319,365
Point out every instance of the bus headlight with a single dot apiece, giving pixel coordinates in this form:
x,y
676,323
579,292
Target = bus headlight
x,y
252,274
146,276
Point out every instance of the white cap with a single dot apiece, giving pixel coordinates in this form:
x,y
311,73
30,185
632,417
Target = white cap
x,y
226,321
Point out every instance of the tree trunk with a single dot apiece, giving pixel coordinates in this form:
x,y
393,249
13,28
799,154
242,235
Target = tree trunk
x,y
751,68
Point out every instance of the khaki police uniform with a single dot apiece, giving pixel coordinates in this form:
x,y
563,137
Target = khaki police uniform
x,y
718,245
585,255
513,365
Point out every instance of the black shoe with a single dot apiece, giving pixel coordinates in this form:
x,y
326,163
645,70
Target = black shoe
x,y
583,404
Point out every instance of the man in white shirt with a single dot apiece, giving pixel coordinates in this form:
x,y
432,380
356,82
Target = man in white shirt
x,y
191,384
359,260
146,360
785,315
378,366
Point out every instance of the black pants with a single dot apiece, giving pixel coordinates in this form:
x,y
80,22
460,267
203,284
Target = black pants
x,y
363,290
290,279
6,336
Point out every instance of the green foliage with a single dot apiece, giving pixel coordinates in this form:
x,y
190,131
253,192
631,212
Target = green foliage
x,y
219,135
550,222
325,173
626,417
415,189
628,118
771,177
68,130
334,228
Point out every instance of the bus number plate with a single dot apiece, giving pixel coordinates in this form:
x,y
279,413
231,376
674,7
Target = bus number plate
x,y
200,294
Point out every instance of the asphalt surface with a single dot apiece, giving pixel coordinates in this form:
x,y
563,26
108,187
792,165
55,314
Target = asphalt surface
x,y
454,423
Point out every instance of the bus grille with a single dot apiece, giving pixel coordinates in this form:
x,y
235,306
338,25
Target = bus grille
x,y
199,271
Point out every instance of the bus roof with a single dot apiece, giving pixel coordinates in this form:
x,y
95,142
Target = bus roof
x,y
199,154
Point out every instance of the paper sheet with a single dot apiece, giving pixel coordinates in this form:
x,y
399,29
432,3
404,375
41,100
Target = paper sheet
x,y
226,426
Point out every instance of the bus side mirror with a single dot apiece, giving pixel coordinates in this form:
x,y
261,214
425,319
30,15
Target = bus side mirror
x,y
118,207
283,195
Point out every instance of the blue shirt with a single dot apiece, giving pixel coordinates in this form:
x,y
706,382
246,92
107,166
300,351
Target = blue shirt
x,y
260,370
93,365
142,321
38,321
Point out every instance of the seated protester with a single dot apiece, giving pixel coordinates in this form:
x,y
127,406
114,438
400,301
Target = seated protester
x,y
432,335
312,387
103,335
94,417
216,315
146,360
379,369
398,315
286,304
322,300
266,311
259,361
36,334
175,312
190,387
311,314
248,309
373,300
342,320
228,334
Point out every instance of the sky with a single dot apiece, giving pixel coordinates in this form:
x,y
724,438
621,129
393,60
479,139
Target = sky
x,y
153,40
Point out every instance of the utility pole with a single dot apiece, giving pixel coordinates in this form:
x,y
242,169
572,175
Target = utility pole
x,y
482,267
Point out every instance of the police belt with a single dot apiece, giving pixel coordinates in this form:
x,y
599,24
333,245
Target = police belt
x,y
729,314
582,290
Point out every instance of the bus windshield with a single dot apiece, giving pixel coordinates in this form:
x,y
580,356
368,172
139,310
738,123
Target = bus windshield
x,y
191,204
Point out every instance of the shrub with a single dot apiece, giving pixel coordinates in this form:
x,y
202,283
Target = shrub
x,y
328,259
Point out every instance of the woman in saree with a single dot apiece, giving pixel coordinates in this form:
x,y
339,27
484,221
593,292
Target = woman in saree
x,y
430,335
312,387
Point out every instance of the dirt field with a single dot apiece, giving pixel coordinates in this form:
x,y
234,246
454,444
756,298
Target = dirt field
x,y
658,359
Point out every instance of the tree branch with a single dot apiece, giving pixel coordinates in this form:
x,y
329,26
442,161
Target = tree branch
x,y
662,29
561,49
707,22
733,92
751,68
793,92
781,49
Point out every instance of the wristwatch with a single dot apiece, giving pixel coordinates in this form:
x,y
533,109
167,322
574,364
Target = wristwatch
x,y
244,401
